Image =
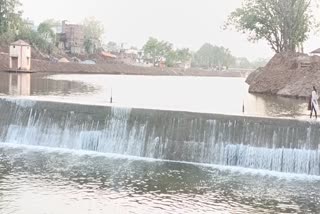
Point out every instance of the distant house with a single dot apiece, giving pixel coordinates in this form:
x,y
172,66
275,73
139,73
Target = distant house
x,y
20,56
108,55
184,65
71,38
129,56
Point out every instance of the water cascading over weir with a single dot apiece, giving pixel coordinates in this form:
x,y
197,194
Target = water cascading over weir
x,y
261,143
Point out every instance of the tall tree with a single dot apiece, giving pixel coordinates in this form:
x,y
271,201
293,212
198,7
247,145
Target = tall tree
x,y
93,32
283,23
47,35
112,46
243,62
209,56
155,50
178,56
183,55
42,39
45,29
10,16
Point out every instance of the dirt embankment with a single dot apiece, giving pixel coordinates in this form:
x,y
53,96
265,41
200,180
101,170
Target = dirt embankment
x,y
287,74
44,66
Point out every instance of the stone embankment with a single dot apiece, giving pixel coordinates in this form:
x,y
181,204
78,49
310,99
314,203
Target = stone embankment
x,y
288,74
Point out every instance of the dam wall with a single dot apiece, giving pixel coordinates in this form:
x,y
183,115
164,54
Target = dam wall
x,y
282,145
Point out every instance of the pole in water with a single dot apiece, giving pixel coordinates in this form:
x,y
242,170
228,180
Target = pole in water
x,y
243,107
111,96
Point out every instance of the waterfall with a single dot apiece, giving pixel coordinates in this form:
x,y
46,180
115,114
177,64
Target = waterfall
x,y
261,143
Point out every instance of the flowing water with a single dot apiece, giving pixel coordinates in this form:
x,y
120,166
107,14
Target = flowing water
x,y
39,180
58,157
262,143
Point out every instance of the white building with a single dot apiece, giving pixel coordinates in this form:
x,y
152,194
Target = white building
x,y
20,56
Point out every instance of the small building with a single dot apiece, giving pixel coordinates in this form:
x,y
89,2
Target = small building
x,y
20,56
108,55
184,65
71,38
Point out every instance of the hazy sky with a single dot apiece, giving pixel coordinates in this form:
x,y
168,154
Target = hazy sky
x,y
185,23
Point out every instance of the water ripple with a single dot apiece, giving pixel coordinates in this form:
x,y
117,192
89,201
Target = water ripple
x,y
40,182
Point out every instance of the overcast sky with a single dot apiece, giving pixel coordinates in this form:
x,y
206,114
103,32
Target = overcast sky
x,y
185,23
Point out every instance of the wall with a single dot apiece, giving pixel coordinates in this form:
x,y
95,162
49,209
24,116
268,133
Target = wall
x,y
74,38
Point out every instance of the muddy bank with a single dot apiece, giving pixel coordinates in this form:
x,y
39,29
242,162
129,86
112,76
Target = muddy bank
x,y
290,75
43,66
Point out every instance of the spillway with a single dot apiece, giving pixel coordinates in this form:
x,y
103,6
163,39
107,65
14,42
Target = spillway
x,y
283,145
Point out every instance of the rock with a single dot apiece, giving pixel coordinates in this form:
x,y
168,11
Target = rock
x,y
253,75
287,74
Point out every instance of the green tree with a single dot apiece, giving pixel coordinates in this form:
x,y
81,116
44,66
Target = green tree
x,y
24,30
243,62
226,57
47,35
284,24
93,32
209,56
45,29
171,58
178,56
9,15
112,46
42,39
155,51
183,55
10,19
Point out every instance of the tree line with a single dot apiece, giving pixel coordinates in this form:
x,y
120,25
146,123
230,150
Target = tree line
x,y
207,57
284,24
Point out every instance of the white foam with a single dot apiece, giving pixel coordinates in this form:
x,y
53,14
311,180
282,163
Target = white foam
x,y
231,169
20,102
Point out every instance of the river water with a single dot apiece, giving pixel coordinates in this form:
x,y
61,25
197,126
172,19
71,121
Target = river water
x,y
197,94
40,180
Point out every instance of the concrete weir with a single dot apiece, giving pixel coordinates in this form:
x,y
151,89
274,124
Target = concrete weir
x,y
261,143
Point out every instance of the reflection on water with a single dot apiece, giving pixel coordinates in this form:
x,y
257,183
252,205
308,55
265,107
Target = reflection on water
x,y
20,85
26,84
276,106
53,181
199,94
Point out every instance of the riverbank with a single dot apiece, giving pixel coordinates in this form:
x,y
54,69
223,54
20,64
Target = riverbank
x,y
43,66
289,75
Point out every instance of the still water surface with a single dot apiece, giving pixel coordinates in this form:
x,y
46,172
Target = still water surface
x,y
198,94
39,180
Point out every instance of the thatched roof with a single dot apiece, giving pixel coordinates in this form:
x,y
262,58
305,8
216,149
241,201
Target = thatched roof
x,y
317,51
